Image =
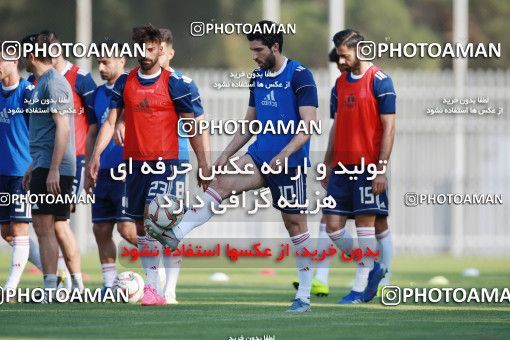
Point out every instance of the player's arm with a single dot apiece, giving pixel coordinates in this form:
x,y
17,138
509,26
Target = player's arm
x,y
386,101
388,136
62,136
305,91
104,137
328,157
89,146
107,130
198,110
198,146
181,96
120,130
307,114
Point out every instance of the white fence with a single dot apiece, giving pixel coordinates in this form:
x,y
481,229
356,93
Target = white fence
x,y
422,162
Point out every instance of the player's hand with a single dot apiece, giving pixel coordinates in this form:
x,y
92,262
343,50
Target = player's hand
x,y
221,161
277,163
325,180
53,182
93,168
27,177
118,136
88,184
379,184
206,172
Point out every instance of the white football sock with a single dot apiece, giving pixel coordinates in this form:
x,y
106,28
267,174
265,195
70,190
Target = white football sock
x,y
77,282
196,217
342,239
161,275
151,263
303,265
385,245
34,256
172,268
50,280
109,273
366,239
20,250
141,240
323,242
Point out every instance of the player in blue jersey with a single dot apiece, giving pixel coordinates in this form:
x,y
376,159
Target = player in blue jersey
x,y
295,102
109,206
14,148
320,281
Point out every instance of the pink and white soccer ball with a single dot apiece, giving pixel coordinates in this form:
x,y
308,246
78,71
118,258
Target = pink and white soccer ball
x,y
132,283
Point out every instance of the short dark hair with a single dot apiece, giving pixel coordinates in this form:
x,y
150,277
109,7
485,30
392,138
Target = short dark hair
x,y
166,36
263,34
333,56
347,37
147,33
52,36
109,42
39,39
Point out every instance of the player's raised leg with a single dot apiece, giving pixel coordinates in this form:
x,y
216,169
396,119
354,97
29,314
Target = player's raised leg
x,y
219,189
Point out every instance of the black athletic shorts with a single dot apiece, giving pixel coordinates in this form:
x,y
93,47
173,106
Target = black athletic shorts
x,y
54,205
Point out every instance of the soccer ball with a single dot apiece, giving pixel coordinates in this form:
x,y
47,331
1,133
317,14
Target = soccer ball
x,y
132,283
165,217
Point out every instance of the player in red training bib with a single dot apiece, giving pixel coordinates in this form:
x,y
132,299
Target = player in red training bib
x,y
362,135
152,99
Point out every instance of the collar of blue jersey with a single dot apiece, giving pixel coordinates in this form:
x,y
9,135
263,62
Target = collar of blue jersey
x,y
356,77
277,73
149,76
10,88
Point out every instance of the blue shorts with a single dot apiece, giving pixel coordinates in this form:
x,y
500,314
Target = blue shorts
x,y
110,203
79,175
354,197
142,188
18,212
282,185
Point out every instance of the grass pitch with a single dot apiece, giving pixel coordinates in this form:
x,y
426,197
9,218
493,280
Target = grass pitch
x,y
252,306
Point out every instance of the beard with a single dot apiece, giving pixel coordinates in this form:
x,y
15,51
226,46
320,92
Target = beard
x,y
147,64
356,66
269,63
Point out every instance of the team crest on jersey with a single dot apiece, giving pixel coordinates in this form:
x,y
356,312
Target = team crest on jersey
x,y
269,100
350,100
143,106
